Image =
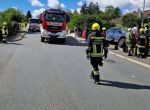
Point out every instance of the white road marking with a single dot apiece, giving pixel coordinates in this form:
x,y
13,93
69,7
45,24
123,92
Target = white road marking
x,y
129,59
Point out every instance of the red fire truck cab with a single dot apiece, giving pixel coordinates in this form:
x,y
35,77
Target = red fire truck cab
x,y
53,24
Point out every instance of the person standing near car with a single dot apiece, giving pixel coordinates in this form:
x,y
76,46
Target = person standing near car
x,y
96,43
130,42
15,24
106,47
141,43
76,32
147,32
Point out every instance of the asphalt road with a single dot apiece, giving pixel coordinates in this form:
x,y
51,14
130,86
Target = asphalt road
x,y
38,76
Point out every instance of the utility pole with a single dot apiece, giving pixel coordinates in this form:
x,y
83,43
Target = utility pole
x,y
142,24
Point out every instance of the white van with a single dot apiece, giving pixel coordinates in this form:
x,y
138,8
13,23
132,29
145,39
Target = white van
x,y
33,25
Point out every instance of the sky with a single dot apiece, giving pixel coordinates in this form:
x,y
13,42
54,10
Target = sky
x,y
38,6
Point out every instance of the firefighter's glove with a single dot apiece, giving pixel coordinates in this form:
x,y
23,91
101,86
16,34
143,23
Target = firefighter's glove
x,y
87,53
87,57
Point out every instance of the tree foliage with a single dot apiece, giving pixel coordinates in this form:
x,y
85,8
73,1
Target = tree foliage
x,y
11,15
90,14
111,13
28,15
130,20
91,9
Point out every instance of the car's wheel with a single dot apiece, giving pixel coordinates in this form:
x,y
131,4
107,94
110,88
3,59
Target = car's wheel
x,y
121,42
63,40
42,39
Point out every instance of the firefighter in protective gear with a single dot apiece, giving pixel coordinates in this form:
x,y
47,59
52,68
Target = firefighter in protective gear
x,y
4,32
147,33
141,43
130,42
94,51
106,47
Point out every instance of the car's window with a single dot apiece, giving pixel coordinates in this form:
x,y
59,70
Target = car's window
x,y
110,32
118,31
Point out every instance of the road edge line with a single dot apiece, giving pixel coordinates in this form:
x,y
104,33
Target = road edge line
x,y
131,60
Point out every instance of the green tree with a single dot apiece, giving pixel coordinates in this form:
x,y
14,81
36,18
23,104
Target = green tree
x,y
75,17
84,9
28,15
10,15
130,20
91,13
112,13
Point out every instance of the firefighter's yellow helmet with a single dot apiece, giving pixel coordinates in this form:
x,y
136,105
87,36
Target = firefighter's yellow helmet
x,y
104,28
5,23
142,30
129,29
145,24
95,26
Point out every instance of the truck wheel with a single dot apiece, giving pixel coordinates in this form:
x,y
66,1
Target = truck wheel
x,y
42,39
63,40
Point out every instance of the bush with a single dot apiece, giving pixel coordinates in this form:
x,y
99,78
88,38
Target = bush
x,y
9,16
0,34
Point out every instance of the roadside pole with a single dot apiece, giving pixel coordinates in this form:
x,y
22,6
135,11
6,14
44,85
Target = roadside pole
x,y
142,24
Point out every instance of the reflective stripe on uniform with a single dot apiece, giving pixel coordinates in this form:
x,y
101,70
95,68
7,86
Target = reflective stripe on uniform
x,y
4,32
96,54
139,46
143,37
96,73
94,49
98,41
97,38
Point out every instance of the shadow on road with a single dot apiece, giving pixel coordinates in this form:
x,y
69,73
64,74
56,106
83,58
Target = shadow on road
x,y
70,41
13,43
109,61
33,32
123,85
74,42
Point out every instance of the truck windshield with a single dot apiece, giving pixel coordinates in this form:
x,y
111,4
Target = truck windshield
x,y
34,21
55,17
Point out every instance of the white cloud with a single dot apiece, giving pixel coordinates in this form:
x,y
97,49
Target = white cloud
x,y
62,5
78,10
126,5
36,13
80,3
55,4
36,3
125,11
15,8
72,10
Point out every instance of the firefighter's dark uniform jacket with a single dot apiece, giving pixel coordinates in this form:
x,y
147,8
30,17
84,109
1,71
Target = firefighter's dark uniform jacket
x,y
96,43
4,32
141,44
147,41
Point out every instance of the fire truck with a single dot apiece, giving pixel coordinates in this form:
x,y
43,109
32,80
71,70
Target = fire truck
x,y
53,25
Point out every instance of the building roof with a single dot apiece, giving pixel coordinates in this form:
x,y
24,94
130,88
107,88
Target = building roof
x,y
135,13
